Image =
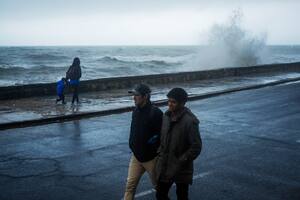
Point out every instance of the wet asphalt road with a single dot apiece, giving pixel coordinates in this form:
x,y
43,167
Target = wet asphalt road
x,y
251,150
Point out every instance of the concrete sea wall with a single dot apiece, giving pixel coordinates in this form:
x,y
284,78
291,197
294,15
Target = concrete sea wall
x,y
23,91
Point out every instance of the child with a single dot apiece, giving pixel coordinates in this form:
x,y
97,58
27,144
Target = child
x,y
60,90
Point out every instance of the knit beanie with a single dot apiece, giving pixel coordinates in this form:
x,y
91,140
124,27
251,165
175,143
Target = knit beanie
x,y
178,94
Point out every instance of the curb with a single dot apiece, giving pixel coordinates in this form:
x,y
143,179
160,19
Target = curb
x,y
63,118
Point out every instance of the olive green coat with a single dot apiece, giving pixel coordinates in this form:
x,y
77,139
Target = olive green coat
x,y
180,145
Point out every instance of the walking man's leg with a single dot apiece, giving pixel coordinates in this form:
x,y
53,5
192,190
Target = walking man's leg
x,y
135,172
182,191
162,190
150,168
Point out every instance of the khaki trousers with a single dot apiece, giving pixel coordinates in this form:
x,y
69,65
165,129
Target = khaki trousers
x,y
135,171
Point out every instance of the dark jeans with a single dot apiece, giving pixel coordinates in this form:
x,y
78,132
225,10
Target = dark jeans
x,y
162,190
61,98
75,93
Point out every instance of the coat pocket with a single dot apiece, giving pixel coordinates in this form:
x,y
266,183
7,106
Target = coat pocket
x,y
174,166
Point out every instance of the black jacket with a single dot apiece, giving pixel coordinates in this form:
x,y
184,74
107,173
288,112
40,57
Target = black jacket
x,y
145,132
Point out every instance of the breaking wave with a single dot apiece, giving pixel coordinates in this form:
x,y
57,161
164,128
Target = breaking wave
x,y
230,45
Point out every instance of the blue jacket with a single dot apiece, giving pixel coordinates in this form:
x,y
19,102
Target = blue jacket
x,y
74,82
60,87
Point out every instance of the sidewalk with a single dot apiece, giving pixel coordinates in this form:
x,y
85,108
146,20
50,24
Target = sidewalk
x,y
44,110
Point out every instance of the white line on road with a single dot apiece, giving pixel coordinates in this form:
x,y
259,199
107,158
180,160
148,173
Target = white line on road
x,y
201,175
147,192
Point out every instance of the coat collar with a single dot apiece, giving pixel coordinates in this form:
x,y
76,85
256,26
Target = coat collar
x,y
178,115
145,107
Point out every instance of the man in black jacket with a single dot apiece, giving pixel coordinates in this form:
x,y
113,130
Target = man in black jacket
x,y
180,144
144,139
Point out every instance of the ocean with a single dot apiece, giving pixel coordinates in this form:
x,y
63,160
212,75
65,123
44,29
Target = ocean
x,y
41,64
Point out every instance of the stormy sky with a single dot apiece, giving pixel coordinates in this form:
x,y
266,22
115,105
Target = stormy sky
x,y
141,22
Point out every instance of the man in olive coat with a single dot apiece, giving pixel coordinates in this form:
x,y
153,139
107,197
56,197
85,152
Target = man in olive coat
x,y
180,145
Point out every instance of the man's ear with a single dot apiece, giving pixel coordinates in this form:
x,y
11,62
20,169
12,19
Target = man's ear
x,y
182,104
146,96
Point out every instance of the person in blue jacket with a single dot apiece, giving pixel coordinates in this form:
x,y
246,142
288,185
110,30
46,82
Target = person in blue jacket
x,y
60,90
74,74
